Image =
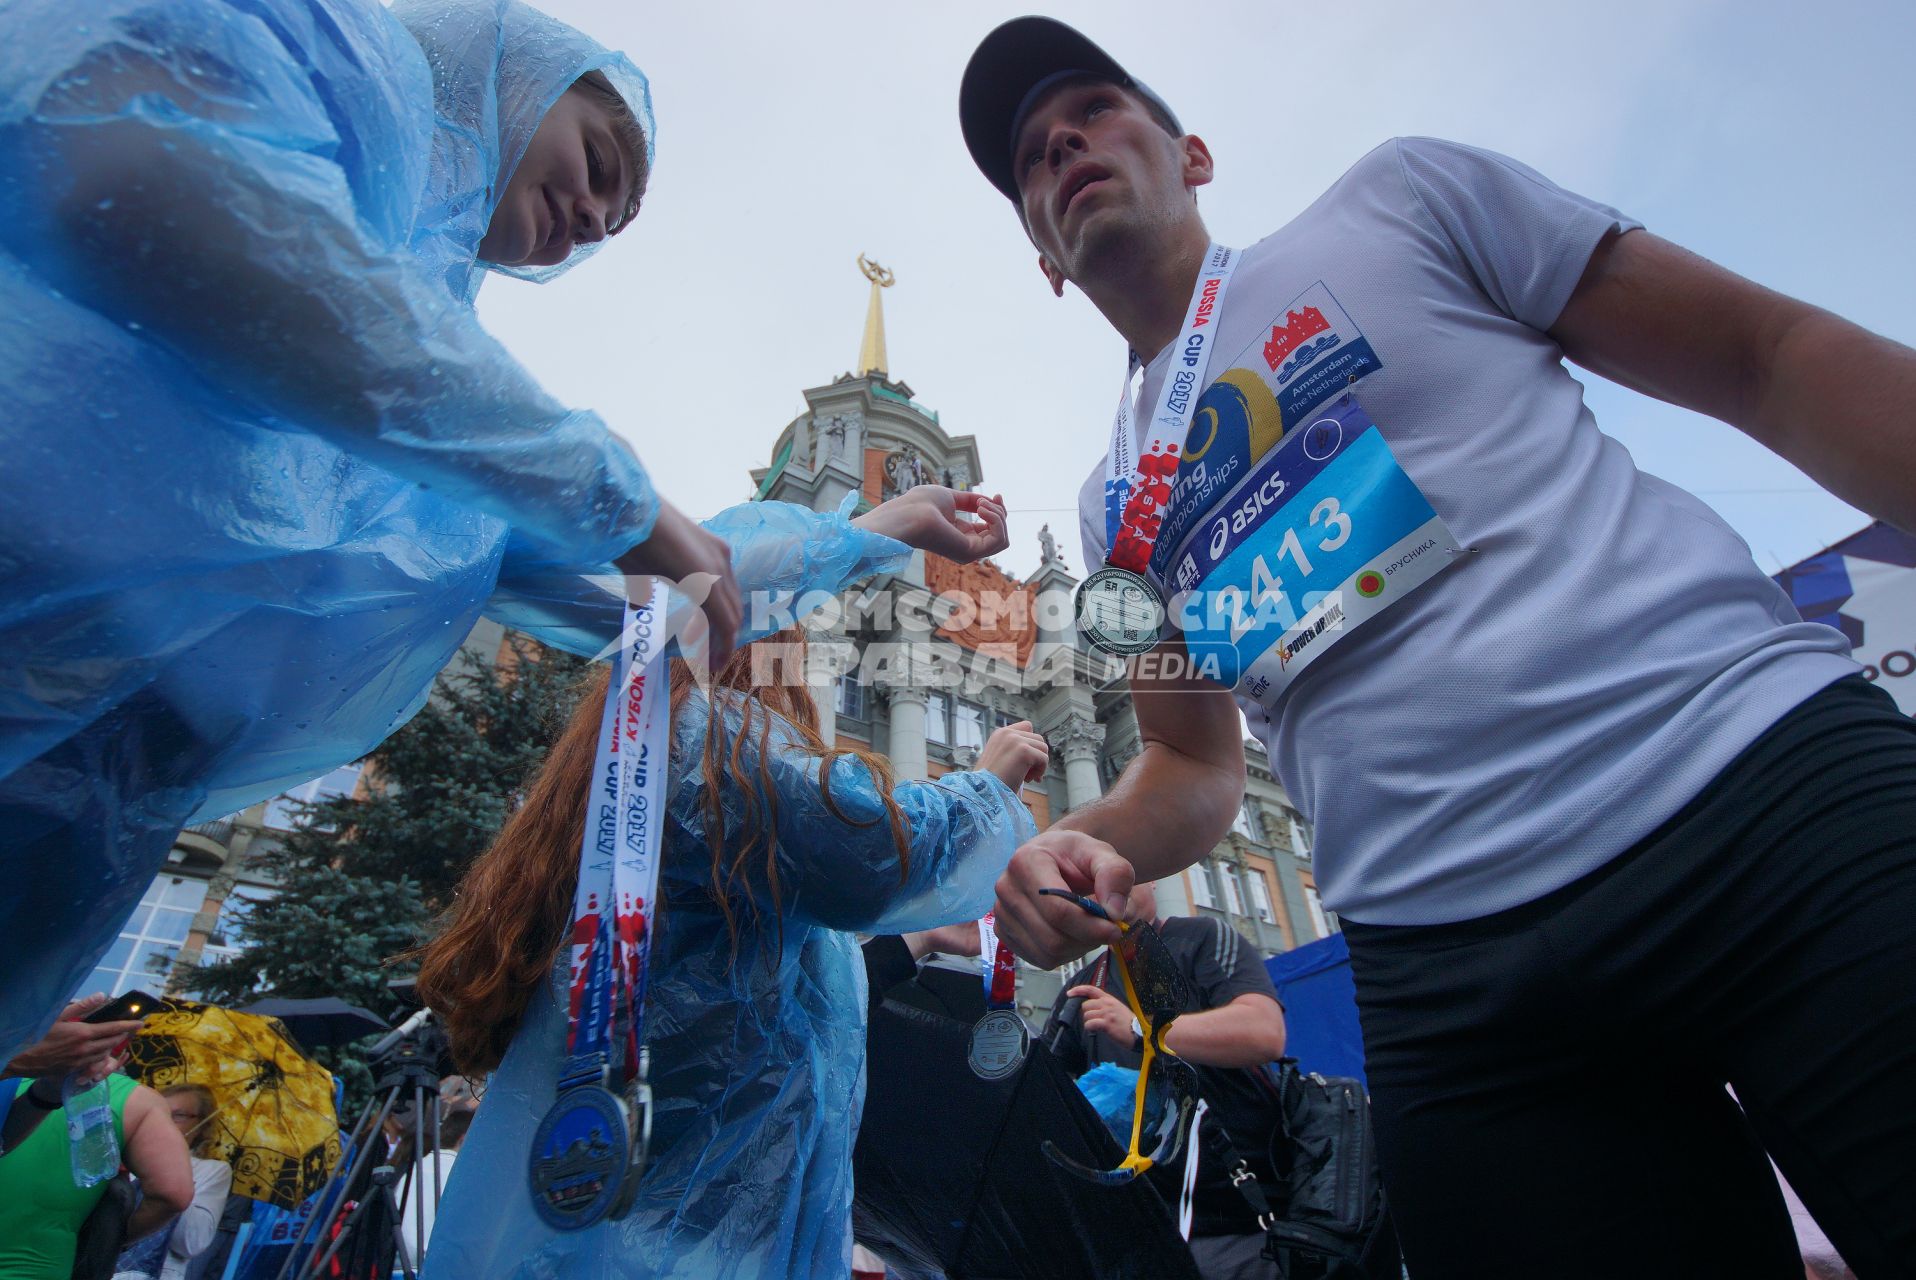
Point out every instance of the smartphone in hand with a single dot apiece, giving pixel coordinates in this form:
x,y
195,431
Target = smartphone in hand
x,y
130,1007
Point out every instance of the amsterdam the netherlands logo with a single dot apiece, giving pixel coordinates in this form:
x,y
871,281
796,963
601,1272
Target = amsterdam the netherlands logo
x,y
1287,338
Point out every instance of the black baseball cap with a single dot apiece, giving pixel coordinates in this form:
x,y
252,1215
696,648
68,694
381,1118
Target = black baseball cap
x,y
1009,69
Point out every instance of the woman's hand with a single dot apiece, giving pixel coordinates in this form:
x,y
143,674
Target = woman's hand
x,y
693,561
1017,754
933,518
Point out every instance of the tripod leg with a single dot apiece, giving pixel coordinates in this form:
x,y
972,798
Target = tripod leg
x,y
402,1258
438,1173
417,1174
326,1201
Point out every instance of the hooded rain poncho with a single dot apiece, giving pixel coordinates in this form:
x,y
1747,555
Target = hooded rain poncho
x,y
262,467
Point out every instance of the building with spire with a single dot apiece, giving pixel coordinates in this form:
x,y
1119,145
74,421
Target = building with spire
x,y
986,649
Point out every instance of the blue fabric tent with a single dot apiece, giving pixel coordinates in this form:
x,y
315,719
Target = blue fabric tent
x,y
1320,1007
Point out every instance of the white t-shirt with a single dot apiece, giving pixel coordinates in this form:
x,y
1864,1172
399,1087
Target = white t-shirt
x,y
430,1202
1548,700
195,1229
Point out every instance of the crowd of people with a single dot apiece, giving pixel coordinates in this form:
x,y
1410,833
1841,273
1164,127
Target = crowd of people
x,y
1582,781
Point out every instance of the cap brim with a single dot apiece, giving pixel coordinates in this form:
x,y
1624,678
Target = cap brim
x,y
1005,67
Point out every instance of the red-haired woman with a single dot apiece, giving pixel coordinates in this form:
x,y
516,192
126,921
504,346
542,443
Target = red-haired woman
x,y
777,846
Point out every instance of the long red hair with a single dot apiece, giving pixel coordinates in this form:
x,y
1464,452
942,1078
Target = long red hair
x,y
511,912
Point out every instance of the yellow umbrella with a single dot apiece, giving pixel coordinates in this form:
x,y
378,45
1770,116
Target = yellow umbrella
x,y
274,1119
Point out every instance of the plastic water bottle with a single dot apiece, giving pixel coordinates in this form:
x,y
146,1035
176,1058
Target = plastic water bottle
x,y
92,1148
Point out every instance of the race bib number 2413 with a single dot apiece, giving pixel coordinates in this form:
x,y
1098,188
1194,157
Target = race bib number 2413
x,y
1323,534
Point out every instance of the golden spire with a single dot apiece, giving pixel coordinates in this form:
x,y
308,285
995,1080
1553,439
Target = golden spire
x,y
871,352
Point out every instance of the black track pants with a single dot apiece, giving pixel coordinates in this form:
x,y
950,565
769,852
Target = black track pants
x,y
1548,1082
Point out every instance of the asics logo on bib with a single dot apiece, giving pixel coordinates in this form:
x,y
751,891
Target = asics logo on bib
x,y
1255,503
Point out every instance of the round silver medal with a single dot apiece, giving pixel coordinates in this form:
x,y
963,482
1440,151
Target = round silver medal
x,y
998,1044
1119,611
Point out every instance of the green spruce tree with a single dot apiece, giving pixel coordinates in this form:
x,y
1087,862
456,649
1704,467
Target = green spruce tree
x,y
361,877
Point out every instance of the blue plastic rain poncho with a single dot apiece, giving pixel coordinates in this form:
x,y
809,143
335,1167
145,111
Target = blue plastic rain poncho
x,y
758,1066
260,467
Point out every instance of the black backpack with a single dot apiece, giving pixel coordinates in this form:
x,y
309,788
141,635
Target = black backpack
x,y
1325,1218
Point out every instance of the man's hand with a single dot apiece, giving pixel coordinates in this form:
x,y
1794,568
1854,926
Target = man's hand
x,y
72,1045
1017,754
688,557
939,520
1107,1015
1048,931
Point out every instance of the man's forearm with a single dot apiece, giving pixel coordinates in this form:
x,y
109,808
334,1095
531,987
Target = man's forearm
x,y
1238,1034
1165,812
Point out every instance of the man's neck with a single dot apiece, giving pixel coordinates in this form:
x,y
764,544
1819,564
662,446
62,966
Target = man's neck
x,y
1145,295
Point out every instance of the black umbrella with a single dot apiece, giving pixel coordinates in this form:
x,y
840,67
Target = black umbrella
x,y
950,1175
321,1021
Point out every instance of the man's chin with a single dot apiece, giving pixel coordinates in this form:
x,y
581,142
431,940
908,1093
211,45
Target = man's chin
x,y
1103,239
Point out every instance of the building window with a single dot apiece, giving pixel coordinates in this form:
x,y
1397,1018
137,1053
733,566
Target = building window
x,y
1246,822
1300,836
1319,920
229,933
282,812
938,719
1260,896
851,697
143,953
969,721
1201,886
1233,897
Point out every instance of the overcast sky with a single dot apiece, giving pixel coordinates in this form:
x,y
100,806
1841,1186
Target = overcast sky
x,y
1775,138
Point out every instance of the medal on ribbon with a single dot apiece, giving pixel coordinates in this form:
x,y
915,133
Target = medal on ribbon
x,y
1119,609
1000,1038
590,1148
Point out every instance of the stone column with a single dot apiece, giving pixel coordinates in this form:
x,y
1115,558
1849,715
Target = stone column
x,y
1077,738
821,678
907,737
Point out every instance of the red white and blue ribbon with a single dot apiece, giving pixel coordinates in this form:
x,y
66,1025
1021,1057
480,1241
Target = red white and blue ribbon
x,y
999,969
1137,490
619,855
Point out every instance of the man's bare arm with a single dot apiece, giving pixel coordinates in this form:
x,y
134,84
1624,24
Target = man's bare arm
x,y
1247,1032
1176,800
1172,805
1831,397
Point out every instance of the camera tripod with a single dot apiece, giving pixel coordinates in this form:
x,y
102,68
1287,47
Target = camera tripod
x,y
372,1241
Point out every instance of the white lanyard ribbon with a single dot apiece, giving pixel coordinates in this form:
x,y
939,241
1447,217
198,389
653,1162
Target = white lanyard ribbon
x,y
1188,1190
1137,486
619,854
